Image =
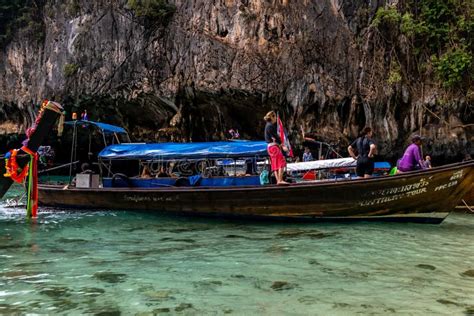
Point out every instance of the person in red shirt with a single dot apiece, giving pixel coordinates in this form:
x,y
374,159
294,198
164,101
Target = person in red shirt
x,y
275,147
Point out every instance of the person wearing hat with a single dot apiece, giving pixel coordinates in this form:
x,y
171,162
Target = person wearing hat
x,y
275,147
412,159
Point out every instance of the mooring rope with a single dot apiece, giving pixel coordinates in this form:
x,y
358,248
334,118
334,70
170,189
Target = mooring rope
x,y
468,207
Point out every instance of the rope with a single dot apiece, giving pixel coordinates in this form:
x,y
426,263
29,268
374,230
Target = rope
x,y
468,207
11,167
32,206
31,169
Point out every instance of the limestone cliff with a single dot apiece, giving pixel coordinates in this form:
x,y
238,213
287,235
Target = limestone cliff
x,y
212,65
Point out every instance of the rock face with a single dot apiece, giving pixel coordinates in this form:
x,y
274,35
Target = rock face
x,y
221,64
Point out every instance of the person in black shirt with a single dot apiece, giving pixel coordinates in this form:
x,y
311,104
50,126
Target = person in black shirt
x,y
275,147
366,150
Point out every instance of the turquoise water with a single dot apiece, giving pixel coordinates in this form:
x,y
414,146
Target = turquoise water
x,y
137,264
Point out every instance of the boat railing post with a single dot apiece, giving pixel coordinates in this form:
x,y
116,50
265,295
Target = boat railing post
x,y
100,167
103,164
73,145
105,139
89,153
320,152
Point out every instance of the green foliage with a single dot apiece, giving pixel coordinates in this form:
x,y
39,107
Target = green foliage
x,y
439,17
453,66
152,9
73,8
394,75
70,70
386,16
410,27
440,28
20,15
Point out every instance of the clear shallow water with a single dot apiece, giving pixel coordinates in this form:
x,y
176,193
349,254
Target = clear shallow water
x,y
131,263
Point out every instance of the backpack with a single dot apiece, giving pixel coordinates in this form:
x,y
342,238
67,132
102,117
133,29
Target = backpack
x,y
264,177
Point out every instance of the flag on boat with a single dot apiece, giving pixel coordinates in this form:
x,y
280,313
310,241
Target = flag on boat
x,y
284,137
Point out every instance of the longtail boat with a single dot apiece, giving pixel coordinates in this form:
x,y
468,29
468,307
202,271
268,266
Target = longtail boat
x,y
425,196
46,119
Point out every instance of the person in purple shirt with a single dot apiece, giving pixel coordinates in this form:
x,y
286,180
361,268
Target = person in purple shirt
x,y
412,159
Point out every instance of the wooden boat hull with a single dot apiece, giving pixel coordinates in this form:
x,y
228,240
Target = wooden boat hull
x,y
422,196
469,198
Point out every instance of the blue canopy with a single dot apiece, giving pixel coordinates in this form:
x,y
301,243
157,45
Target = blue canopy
x,y
105,128
229,149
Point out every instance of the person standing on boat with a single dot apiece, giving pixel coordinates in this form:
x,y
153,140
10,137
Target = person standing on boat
x,y
275,147
428,162
366,150
412,159
84,116
307,156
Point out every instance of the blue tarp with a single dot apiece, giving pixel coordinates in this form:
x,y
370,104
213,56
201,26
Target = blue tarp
x,y
105,128
382,165
230,149
168,182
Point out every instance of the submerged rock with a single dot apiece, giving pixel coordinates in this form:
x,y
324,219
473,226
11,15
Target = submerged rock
x,y
426,266
64,305
110,277
55,291
138,253
469,310
282,285
186,240
235,237
161,310
468,273
278,249
57,250
72,241
188,229
447,302
314,262
291,233
7,246
159,295
91,291
17,274
319,235
26,264
183,306
104,312
98,262
294,233
8,309
308,300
